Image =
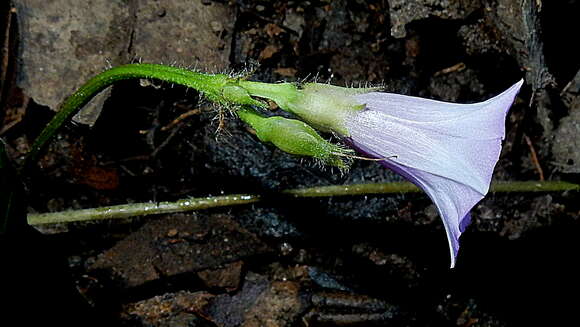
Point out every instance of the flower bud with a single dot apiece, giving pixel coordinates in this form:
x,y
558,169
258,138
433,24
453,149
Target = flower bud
x,y
295,137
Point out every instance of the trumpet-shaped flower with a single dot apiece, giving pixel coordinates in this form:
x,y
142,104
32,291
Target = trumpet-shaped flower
x,y
448,150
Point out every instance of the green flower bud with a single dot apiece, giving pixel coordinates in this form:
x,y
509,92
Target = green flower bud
x,y
295,137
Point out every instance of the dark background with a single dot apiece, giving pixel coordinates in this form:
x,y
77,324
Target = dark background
x,y
344,261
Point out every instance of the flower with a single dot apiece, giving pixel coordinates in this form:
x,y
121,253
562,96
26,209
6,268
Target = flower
x,y
449,150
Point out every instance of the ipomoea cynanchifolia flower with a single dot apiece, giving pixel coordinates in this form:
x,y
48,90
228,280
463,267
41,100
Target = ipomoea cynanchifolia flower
x,y
449,150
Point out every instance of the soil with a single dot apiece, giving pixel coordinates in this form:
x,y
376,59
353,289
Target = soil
x,y
346,261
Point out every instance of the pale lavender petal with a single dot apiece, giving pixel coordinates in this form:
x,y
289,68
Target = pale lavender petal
x,y
434,114
447,149
452,199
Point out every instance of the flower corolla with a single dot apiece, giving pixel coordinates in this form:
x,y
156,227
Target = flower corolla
x,y
449,150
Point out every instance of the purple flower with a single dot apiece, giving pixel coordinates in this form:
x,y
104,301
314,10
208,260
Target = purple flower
x,y
449,150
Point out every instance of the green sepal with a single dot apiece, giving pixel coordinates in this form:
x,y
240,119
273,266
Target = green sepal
x,y
235,94
323,106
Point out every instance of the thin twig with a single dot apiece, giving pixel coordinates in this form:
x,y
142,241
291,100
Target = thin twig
x,y
180,118
455,68
534,157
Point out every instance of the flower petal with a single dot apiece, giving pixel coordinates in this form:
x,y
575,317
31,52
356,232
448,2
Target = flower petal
x,y
483,115
449,150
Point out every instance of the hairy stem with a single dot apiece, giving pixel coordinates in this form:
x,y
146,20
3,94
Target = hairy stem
x,y
142,209
209,84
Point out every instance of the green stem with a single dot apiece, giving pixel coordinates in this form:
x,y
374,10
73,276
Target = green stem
x,y
533,186
142,209
406,187
210,85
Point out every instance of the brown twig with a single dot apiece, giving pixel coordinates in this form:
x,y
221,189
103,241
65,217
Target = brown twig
x,y
455,68
180,118
534,157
